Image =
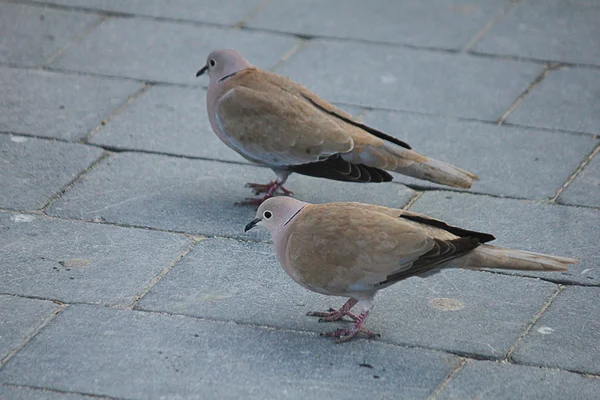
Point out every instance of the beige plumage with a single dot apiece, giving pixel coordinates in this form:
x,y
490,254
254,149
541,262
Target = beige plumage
x,y
274,121
354,249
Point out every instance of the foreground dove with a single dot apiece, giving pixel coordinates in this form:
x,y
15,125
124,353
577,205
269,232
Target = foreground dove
x,y
273,121
354,249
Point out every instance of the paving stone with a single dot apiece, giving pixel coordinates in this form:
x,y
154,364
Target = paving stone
x,y
195,196
25,393
567,335
523,225
56,105
567,99
460,311
510,161
227,12
131,354
170,120
552,30
439,24
20,318
74,261
492,380
585,188
165,51
396,78
31,35
33,170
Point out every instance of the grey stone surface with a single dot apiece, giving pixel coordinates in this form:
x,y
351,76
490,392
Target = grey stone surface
x,y
74,261
31,35
226,279
144,355
552,30
396,78
26,393
524,225
510,161
171,120
195,196
585,188
20,318
56,105
33,170
165,51
492,380
227,12
388,21
567,99
567,335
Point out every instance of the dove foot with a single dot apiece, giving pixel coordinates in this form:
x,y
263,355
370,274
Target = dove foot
x,y
269,188
345,334
335,315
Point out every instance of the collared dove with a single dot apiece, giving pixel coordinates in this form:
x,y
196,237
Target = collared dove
x,y
355,249
274,121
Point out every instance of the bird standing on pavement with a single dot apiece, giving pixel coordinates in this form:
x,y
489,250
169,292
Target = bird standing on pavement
x,y
274,121
354,249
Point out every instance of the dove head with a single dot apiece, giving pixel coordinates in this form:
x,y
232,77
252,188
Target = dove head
x,y
221,64
275,213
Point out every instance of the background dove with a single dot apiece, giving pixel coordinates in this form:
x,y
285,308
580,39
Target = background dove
x,y
272,120
354,249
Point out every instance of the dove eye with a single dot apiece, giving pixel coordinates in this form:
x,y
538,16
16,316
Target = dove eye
x,y
267,214
212,62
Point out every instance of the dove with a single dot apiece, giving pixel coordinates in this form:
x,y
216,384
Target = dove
x,y
353,250
275,122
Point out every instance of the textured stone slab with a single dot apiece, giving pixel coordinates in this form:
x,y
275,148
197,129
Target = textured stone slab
x,y
510,161
56,105
74,261
567,335
460,311
20,318
33,170
170,120
132,354
407,22
31,35
567,99
552,30
491,380
26,393
585,188
541,228
219,12
165,51
196,196
415,80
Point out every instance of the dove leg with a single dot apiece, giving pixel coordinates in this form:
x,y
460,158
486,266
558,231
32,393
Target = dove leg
x,y
335,315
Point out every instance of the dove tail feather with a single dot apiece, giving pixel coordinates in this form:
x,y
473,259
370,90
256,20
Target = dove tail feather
x,y
487,256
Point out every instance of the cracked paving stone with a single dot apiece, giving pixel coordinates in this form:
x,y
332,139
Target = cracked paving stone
x,y
524,225
468,312
132,354
73,261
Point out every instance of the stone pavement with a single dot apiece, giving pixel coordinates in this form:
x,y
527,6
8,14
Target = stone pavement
x,y
124,271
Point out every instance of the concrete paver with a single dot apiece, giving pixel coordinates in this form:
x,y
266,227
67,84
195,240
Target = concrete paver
x,y
585,188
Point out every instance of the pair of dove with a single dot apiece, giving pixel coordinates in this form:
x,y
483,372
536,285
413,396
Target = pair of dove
x,y
351,250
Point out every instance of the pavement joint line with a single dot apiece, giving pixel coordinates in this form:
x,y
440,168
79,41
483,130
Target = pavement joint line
x,y
251,13
300,43
576,173
556,281
130,100
60,307
499,14
531,323
154,281
75,40
413,200
508,57
72,182
362,114
52,390
549,68
436,393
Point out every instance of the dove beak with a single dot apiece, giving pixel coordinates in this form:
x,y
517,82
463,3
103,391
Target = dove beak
x,y
202,70
252,224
